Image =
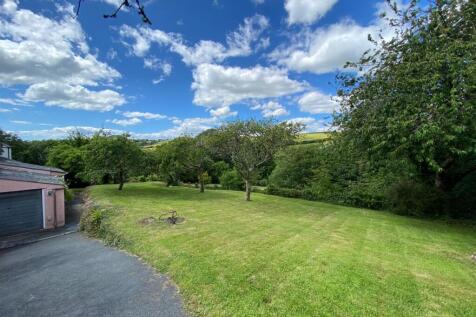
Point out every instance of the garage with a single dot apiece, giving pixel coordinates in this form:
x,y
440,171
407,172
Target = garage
x,y
31,196
20,212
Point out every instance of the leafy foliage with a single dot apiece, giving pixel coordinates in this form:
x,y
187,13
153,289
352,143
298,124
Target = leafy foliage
x,y
111,155
416,99
252,144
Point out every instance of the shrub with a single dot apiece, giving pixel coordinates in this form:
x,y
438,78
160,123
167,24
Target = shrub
x,y
232,180
68,195
411,198
153,178
295,166
285,192
462,199
92,221
262,182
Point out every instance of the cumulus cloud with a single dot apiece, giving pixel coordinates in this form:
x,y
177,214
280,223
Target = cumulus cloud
x,y
218,86
145,115
61,132
271,109
127,122
239,42
188,126
37,50
223,112
164,68
53,93
5,110
328,49
307,11
317,102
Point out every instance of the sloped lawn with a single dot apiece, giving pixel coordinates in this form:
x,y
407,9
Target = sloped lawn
x,y
287,257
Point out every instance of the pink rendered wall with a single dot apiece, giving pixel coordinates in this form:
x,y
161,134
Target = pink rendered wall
x,y
59,194
50,202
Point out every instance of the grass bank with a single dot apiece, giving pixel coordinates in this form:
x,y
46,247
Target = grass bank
x,y
276,256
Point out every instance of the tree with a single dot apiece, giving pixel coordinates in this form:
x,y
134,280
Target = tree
x,y
115,155
251,144
295,165
195,157
415,97
71,160
17,144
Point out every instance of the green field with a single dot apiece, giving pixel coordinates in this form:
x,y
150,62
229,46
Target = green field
x,y
314,136
288,257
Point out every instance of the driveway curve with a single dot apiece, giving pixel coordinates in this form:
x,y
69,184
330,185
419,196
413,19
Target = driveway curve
x,y
72,275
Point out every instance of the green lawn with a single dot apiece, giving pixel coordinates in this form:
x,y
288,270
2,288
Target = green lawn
x,y
288,257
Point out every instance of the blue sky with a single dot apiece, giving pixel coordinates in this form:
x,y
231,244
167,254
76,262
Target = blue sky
x,y
200,63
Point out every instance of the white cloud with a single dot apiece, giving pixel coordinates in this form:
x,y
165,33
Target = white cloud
x,y
61,132
145,115
73,96
258,1
313,124
307,11
189,126
239,42
318,102
217,86
328,49
156,64
271,109
111,54
3,110
35,50
223,112
20,122
115,3
13,102
127,122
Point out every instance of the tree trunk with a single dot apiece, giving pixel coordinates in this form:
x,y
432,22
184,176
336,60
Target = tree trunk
x,y
248,190
441,181
121,180
202,184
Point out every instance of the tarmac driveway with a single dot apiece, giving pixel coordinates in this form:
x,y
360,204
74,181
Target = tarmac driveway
x,y
72,275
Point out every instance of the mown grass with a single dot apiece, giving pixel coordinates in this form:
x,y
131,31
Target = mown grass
x,y
276,256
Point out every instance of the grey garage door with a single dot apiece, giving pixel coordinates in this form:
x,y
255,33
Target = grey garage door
x,y
20,212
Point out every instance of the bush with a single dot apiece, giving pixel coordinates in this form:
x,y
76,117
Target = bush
x,y
295,166
415,199
92,221
262,182
138,179
285,192
153,178
232,180
462,199
68,195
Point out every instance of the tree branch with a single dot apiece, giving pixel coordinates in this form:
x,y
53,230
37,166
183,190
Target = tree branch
x,y
125,3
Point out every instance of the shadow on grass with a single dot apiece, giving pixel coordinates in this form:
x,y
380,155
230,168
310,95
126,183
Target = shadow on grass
x,y
157,190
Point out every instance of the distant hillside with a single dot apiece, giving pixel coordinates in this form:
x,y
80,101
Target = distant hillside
x,y
314,137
